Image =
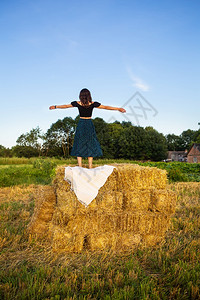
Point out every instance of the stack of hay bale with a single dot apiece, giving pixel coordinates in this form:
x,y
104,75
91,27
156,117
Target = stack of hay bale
x,y
133,207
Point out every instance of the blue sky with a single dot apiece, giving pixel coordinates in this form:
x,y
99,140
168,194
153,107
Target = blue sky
x,y
50,50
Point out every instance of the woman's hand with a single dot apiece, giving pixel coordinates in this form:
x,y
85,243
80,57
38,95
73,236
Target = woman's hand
x,y
122,110
52,107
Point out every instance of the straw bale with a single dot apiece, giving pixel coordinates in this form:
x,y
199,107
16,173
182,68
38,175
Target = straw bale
x,y
111,183
103,222
108,201
112,241
60,217
131,177
133,207
80,224
127,240
137,200
45,201
124,177
68,201
106,198
60,183
65,241
108,231
163,200
59,180
141,222
101,241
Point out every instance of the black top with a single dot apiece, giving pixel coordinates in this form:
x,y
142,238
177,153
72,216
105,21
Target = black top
x,y
85,111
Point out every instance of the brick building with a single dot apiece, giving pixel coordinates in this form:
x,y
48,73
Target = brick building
x,y
194,154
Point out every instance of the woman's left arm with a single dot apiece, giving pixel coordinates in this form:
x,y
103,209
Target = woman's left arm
x,y
112,108
60,106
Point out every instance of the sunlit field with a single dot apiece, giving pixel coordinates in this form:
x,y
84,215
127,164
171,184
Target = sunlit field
x,y
30,270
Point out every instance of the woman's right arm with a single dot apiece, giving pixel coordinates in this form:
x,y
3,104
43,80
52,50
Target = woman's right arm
x,y
112,108
60,106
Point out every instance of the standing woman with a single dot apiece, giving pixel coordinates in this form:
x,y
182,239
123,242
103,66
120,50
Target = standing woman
x,y
86,143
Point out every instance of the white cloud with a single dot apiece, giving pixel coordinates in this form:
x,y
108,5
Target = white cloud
x,y
137,82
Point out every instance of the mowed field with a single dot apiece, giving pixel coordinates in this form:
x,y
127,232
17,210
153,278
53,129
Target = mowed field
x,y
30,270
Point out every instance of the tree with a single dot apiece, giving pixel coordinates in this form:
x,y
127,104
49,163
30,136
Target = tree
x,y
24,151
29,144
174,142
126,124
196,137
59,137
131,143
155,145
138,143
188,137
5,152
114,130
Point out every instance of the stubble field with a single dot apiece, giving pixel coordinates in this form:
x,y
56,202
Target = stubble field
x,y
30,270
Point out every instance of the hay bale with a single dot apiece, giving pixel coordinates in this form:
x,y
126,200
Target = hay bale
x,y
111,201
116,192
65,241
133,207
163,201
132,177
138,200
45,201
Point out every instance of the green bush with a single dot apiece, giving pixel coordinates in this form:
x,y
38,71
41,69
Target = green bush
x,y
44,165
175,174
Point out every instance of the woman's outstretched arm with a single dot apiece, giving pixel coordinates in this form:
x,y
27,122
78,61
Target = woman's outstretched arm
x,y
60,106
112,108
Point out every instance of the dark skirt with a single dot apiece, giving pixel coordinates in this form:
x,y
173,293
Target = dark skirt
x,y
86,143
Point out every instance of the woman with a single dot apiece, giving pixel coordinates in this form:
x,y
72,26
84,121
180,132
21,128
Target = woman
x,y
86,143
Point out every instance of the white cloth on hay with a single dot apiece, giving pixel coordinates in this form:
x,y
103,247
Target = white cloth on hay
x,y
86,182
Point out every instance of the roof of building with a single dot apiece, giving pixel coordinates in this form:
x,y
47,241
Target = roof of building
x,y
177,153
195,145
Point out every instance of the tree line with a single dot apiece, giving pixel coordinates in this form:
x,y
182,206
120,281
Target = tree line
x,y
117,140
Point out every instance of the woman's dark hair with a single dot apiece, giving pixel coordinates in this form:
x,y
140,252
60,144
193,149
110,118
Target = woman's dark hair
x,y
85,97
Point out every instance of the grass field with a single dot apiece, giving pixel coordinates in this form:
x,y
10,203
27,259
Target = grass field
x,y
29,269
16,171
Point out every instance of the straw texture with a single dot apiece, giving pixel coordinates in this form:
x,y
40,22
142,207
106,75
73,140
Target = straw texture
x,y
132,208
45,200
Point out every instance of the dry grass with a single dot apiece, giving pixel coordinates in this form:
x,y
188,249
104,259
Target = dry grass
x,y
17,210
